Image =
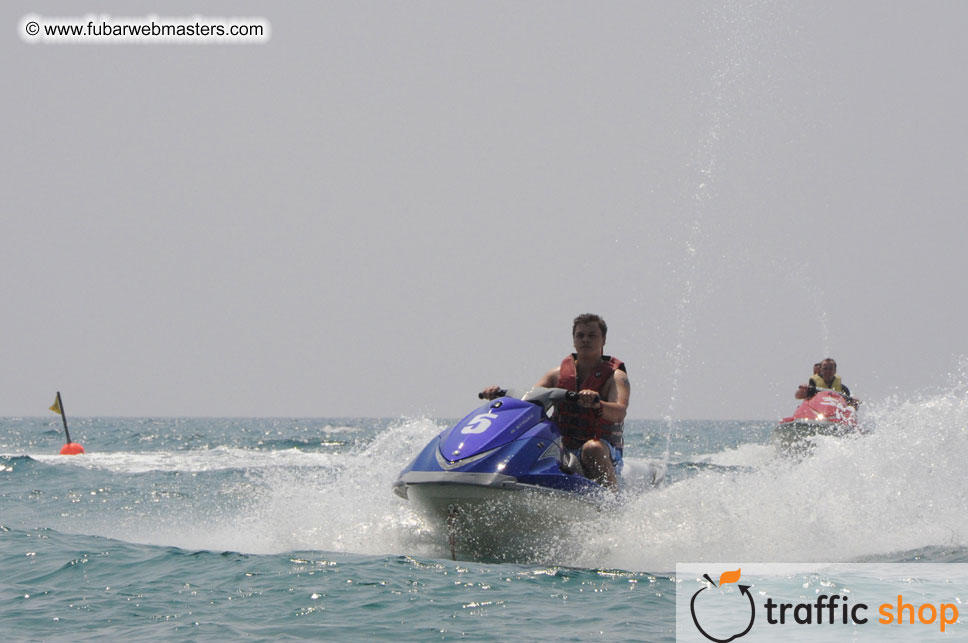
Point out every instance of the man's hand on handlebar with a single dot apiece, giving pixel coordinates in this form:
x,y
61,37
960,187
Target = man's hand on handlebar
x,y
492,392
589,399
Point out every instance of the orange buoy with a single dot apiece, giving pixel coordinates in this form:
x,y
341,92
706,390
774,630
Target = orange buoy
x,y
72,448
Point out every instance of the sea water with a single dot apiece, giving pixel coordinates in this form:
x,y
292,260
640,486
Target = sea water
x,y
208,529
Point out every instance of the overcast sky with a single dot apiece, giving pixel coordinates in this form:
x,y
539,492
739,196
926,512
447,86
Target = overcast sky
x,y
391,205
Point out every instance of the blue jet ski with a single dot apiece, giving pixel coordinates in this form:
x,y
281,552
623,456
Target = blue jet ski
x,y
500,478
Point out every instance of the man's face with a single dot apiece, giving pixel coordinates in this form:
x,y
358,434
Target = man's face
x,y
588,338
828,369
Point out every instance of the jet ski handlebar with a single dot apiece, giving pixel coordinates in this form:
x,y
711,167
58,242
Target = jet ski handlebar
x,y
531,395
572,396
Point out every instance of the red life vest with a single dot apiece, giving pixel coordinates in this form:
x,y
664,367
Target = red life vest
x,y
577,423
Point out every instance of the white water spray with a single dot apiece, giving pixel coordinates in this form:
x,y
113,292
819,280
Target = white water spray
x,y
897,490
728,26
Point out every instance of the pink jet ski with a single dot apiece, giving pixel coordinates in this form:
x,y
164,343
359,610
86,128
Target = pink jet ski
x,y
828,412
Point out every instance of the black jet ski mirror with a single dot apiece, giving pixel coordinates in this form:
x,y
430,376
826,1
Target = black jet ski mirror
x,y
548,397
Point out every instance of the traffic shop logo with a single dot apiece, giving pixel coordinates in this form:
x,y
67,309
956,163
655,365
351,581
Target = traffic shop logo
x,y
724,578
724,622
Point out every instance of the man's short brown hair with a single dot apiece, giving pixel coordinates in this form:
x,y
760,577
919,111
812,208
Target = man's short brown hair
x,y
589,318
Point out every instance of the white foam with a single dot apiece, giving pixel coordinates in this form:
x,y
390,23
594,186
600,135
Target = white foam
x,y
897,489
346,506
193,461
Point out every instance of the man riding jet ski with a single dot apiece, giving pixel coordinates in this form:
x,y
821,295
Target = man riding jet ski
x,y
591,425
827,409
825,377
512,472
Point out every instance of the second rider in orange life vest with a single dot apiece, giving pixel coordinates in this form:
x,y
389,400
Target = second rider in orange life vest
x,y
603,398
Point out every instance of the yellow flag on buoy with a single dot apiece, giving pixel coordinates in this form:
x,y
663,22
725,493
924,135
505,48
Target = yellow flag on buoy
x,y
69,448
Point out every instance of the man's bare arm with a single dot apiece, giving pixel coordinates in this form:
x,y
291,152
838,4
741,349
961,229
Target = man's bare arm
x,y
549,379
616,403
